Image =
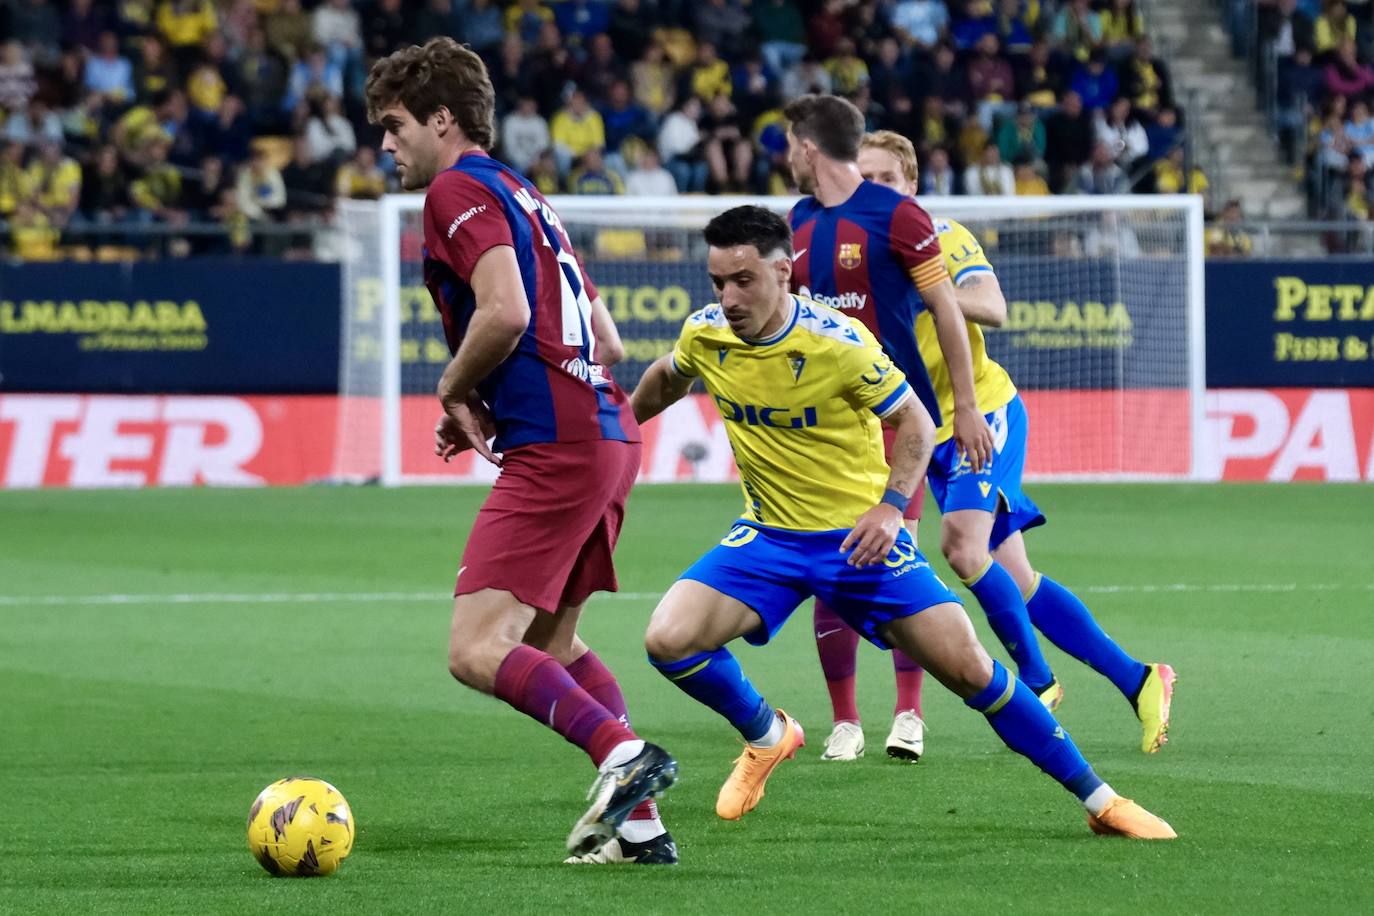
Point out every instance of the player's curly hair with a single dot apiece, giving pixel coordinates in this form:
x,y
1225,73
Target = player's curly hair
x,y
834,124
441,74
749,225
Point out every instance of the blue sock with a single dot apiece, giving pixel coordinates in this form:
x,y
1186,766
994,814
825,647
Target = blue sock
x,y
1027,727
715,680
1068,623
996,591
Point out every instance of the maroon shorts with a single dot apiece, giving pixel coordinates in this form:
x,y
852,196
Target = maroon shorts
x,y
913,509
547,531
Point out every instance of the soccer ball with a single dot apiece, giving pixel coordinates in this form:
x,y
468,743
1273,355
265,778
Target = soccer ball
x,y
300,826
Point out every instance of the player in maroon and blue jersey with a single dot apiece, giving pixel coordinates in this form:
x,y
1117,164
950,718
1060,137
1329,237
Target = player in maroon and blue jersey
x,y
518,312
874,253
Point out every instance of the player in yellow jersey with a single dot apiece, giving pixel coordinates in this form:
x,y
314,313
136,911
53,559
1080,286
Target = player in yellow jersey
x,y
801,388
985,512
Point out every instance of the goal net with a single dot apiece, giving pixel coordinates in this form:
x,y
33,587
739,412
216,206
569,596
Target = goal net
x,y
1104,336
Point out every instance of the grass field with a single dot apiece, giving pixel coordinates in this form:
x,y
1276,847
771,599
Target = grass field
x,y
134,734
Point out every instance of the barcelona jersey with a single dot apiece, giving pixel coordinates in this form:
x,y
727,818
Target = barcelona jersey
x,y
551,388
801,410
963,258
870,257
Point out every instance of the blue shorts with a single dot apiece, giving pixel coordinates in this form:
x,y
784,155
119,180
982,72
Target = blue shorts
x,y
997,487
773,570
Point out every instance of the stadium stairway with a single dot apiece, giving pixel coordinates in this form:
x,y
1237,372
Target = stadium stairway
x,y
1232,127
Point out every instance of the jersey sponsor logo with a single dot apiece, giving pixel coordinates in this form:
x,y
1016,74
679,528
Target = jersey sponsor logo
x,y
850,255
901,552
593,374
842,301
771,417
464,217
925,243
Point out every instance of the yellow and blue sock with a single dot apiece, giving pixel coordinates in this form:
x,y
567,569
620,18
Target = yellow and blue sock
x,y
714,679
1067,622
1027,727
996,591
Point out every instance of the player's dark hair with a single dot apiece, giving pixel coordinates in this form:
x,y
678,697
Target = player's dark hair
x,y
441,74
750,225
834,124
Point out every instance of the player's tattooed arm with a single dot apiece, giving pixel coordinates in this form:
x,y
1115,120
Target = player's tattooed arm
x,y
660,386
981,300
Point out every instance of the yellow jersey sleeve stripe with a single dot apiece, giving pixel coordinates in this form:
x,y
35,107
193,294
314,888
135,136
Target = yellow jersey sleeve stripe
x,y
928,274
894,400
678,369
970,271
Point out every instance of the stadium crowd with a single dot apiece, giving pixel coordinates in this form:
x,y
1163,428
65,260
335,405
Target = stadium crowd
x,y
249,113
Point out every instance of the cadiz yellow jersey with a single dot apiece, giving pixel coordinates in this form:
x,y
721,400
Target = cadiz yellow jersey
x,y
801,409
992,385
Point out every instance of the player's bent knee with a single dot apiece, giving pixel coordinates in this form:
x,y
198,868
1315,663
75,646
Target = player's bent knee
x,y
476,663
964,556
668,641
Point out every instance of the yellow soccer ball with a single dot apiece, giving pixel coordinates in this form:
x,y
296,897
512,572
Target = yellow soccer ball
x,y
300,826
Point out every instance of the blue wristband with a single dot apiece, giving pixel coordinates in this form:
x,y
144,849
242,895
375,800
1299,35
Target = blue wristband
x,y
893,498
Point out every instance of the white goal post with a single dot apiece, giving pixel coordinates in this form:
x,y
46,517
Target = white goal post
x,y
1105,335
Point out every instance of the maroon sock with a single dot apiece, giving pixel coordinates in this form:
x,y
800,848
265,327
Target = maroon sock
x,y
909,678
838,646
593,676
534,683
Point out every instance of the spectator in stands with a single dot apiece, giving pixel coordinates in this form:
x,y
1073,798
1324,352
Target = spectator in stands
x,y
889,73
108,72
1333,28
631,28
337,28
723,24
848,72
1359,130
1225,238
360,178
1101,174
511,76
592,177
809,75
55,182
329,134
202,195
205,86
550,67
157,193
649,178
680,146
526,18
623,120
1122,27
826,27
312,74
1029,182
1095,83
580,20
289,30
230,134
82,124
388,28
1068,141
940,76
726,147
230,215
921,23
260,188
186,25
575,129
83,23
35,23
14,179
1357,189
544,174
1111,237
104,196
1014,27
1022,136
600,69
973,19
754,92
1169,175
32,234
482,26
938,178
655,86
781,33
989,175
1345,75
1145,79
710,76
309,183
38,124
524,135
1077,29
991,83
17,82
1287,26
1297,95
1122,132
1162,134
936,125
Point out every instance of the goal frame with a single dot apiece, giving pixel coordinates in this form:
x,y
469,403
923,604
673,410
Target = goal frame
x,y
657,212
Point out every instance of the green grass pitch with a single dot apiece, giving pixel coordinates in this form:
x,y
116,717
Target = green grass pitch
x,y
134,735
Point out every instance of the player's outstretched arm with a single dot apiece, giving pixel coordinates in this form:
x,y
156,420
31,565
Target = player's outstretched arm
x,y
609,348
971,430
660,386
981,300
876,530
501,317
